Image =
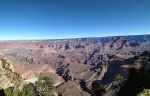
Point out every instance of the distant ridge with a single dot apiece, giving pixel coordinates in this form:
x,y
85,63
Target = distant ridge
x,y
76,38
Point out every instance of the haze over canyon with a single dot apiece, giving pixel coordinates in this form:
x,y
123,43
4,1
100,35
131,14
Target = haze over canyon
x,y
74,64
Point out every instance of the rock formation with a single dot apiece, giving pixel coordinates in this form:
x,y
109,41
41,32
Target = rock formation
x,y
80,60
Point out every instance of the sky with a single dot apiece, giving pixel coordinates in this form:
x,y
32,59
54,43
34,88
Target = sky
x,y
59,19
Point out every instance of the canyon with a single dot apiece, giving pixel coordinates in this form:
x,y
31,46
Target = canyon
x,y
74,64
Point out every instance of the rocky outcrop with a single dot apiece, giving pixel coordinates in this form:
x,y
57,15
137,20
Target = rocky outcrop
x,y
121,66
8,77
72,89
28,74
56,78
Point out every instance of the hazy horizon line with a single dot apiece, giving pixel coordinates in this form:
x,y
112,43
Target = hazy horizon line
x,y
69,38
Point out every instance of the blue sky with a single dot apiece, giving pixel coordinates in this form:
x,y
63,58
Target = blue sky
x,y
57,19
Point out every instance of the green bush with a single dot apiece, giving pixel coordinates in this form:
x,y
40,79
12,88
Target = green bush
x,y
97,88
146,92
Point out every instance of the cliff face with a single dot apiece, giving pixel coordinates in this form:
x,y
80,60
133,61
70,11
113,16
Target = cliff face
x,y
81,60
8,77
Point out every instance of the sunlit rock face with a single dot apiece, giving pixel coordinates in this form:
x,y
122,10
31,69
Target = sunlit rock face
x,y
81,60
8,77
28,74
